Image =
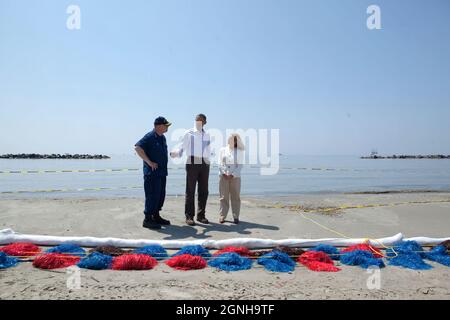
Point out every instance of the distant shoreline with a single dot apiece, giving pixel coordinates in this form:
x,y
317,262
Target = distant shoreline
x,y
53,156
430,156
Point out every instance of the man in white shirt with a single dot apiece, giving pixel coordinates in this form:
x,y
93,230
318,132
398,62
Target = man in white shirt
x,y
196,145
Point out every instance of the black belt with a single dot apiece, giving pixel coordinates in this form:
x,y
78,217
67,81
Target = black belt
x,y
192,160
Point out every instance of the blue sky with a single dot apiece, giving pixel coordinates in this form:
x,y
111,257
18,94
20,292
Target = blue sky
x,y
310,68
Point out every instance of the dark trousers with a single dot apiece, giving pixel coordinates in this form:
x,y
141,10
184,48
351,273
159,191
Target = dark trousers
x,y
155,194
196,173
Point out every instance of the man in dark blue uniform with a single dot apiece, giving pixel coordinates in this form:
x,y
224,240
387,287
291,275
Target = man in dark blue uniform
x,y
152,148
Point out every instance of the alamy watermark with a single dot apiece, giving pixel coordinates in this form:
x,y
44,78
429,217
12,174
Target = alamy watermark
x,y
374,20
374,280
73,281
261,147
73,21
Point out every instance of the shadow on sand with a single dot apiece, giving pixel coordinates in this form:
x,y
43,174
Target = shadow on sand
x,y
200,231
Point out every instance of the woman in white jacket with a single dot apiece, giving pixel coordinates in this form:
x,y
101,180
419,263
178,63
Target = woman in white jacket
x,y
230,162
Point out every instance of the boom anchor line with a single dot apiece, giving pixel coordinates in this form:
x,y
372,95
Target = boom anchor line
x,y
369,241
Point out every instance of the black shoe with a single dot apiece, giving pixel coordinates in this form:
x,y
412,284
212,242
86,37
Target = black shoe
x,y
190,222
203,220
151,224
236,221
162,221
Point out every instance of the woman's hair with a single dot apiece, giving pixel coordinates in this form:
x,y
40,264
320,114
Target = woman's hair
x,y
240,145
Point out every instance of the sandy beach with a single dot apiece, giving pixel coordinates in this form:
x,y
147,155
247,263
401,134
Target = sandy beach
x,y
413,214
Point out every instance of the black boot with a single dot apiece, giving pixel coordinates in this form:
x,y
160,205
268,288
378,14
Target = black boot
x,y
161,221
150,223
202,220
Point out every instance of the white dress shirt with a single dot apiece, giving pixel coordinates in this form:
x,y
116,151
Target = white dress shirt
x,y
230,161
195,143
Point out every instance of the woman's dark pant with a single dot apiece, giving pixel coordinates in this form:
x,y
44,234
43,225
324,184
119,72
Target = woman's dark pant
x,y
196,173
155,194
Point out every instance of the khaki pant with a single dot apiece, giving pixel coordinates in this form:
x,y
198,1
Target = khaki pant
x,y
230,189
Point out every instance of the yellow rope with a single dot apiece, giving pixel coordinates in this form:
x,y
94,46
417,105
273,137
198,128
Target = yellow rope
x,y
356,206
367,240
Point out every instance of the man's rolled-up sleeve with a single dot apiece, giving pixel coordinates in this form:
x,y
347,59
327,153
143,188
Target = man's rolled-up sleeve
x,y
143,143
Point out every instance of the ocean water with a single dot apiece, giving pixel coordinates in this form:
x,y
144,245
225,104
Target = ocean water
x,y
297,175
